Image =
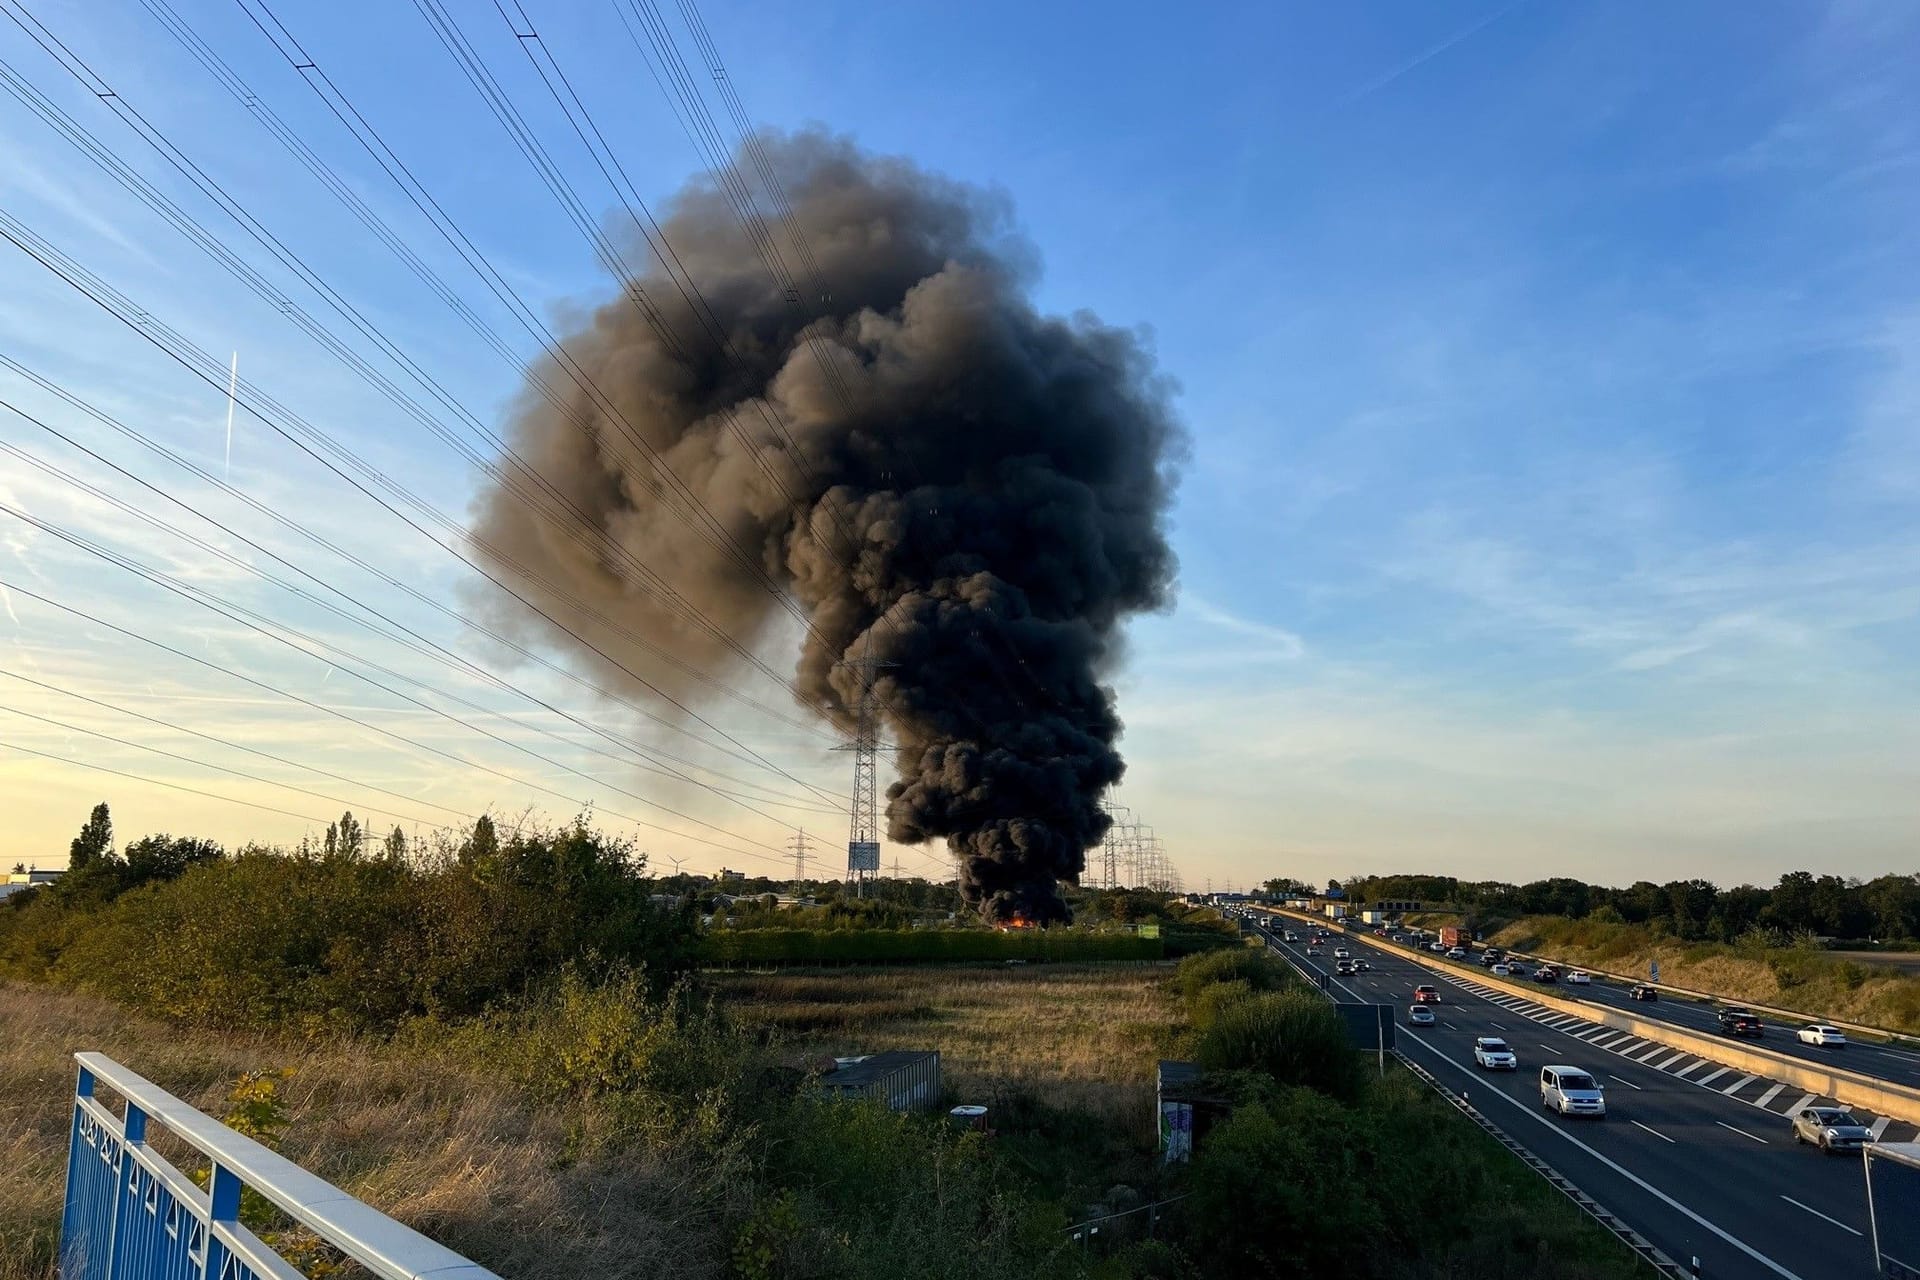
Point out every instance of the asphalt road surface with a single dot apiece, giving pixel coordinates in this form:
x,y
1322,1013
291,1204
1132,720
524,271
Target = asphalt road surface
x,y
1699,1168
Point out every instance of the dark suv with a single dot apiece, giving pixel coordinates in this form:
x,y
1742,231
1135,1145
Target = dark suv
x,y
1739,1022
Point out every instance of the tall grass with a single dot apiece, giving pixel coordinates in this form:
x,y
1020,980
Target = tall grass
x,y
457,1152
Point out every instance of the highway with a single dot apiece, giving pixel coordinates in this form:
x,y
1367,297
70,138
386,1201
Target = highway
x,y
1700,1169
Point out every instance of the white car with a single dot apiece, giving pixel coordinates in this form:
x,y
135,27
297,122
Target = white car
x,y
1456,953
1492,1053
1821,1034
1502,970
1341,953
1580,978
1419,1016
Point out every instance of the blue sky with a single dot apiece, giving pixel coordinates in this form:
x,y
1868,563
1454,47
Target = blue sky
x,y
1553,375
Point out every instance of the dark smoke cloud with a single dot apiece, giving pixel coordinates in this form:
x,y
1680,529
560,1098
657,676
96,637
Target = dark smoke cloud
x,y
982,500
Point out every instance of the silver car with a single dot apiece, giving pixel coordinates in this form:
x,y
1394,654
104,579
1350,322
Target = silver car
x,y
1830,1128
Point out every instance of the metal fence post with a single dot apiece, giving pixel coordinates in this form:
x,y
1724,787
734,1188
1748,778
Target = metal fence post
x,y
223,1195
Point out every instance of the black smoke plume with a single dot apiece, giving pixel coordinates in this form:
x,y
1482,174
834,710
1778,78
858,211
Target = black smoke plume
x,y
978,501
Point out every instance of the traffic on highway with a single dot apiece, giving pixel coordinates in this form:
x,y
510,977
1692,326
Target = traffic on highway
x,y
1706,1162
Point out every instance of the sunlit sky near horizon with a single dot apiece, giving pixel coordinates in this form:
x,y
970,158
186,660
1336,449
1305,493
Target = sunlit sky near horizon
x,y
1552,372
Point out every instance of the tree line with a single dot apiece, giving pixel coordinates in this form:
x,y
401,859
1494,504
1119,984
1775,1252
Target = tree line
x,y
1800,903
347,929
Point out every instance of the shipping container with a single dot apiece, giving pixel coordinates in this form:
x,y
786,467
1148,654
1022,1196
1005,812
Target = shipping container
x,y
901,1079
1452,937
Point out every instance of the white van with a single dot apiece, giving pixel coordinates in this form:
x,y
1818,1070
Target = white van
x,y
1571,1092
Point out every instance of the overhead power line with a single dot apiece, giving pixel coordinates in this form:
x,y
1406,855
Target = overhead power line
x,y
420,644
299,433
207,764
30,594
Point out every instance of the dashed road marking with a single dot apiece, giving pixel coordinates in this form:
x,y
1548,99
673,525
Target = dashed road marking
x,y
1738,1085
1742,1132
1769,1095
1630,1084
1656,1133
1816,1213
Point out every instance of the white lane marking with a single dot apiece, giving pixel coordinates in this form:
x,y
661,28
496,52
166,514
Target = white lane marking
x,y
1711,1076
1496,1026
1816,1213
1654,1052
1690,1068
1655,1132
1630,1084
1803,1104
1547,1047
1664,1063
1451,1027
1737,1085
1879,1127
1769,1095
1898,1054
1618,1168
1616,1039
1743,1133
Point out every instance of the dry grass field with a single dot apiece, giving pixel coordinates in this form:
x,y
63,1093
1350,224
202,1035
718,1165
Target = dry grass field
x,y
1082,1037
450,1152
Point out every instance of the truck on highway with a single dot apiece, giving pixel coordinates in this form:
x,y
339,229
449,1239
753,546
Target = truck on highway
x,y
1451,937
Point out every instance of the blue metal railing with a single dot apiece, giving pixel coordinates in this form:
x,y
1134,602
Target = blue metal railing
x,y
132,1216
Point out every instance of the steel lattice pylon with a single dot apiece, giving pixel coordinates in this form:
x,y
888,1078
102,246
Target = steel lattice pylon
x,y
863,836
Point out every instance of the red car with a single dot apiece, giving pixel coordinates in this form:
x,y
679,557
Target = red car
x,y
1425,995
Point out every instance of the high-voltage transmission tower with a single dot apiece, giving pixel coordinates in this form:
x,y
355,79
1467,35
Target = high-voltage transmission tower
x,y
863,837
1112,847
799,847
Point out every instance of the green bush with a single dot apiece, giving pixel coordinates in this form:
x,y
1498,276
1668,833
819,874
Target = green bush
x,y
341,940
1294,1037
1280,1186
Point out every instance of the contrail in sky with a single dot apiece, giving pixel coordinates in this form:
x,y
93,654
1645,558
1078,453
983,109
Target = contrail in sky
x,y
1381,82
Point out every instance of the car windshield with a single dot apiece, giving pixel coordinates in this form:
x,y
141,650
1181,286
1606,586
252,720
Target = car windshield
x,y
1830,1115
1577,1080
1494,1046
1423,988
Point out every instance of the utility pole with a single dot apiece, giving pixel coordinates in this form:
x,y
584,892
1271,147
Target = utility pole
x,y
863,837
799,847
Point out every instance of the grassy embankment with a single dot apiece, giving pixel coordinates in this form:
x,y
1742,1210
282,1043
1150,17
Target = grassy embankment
x,y
462,1135
1819,983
